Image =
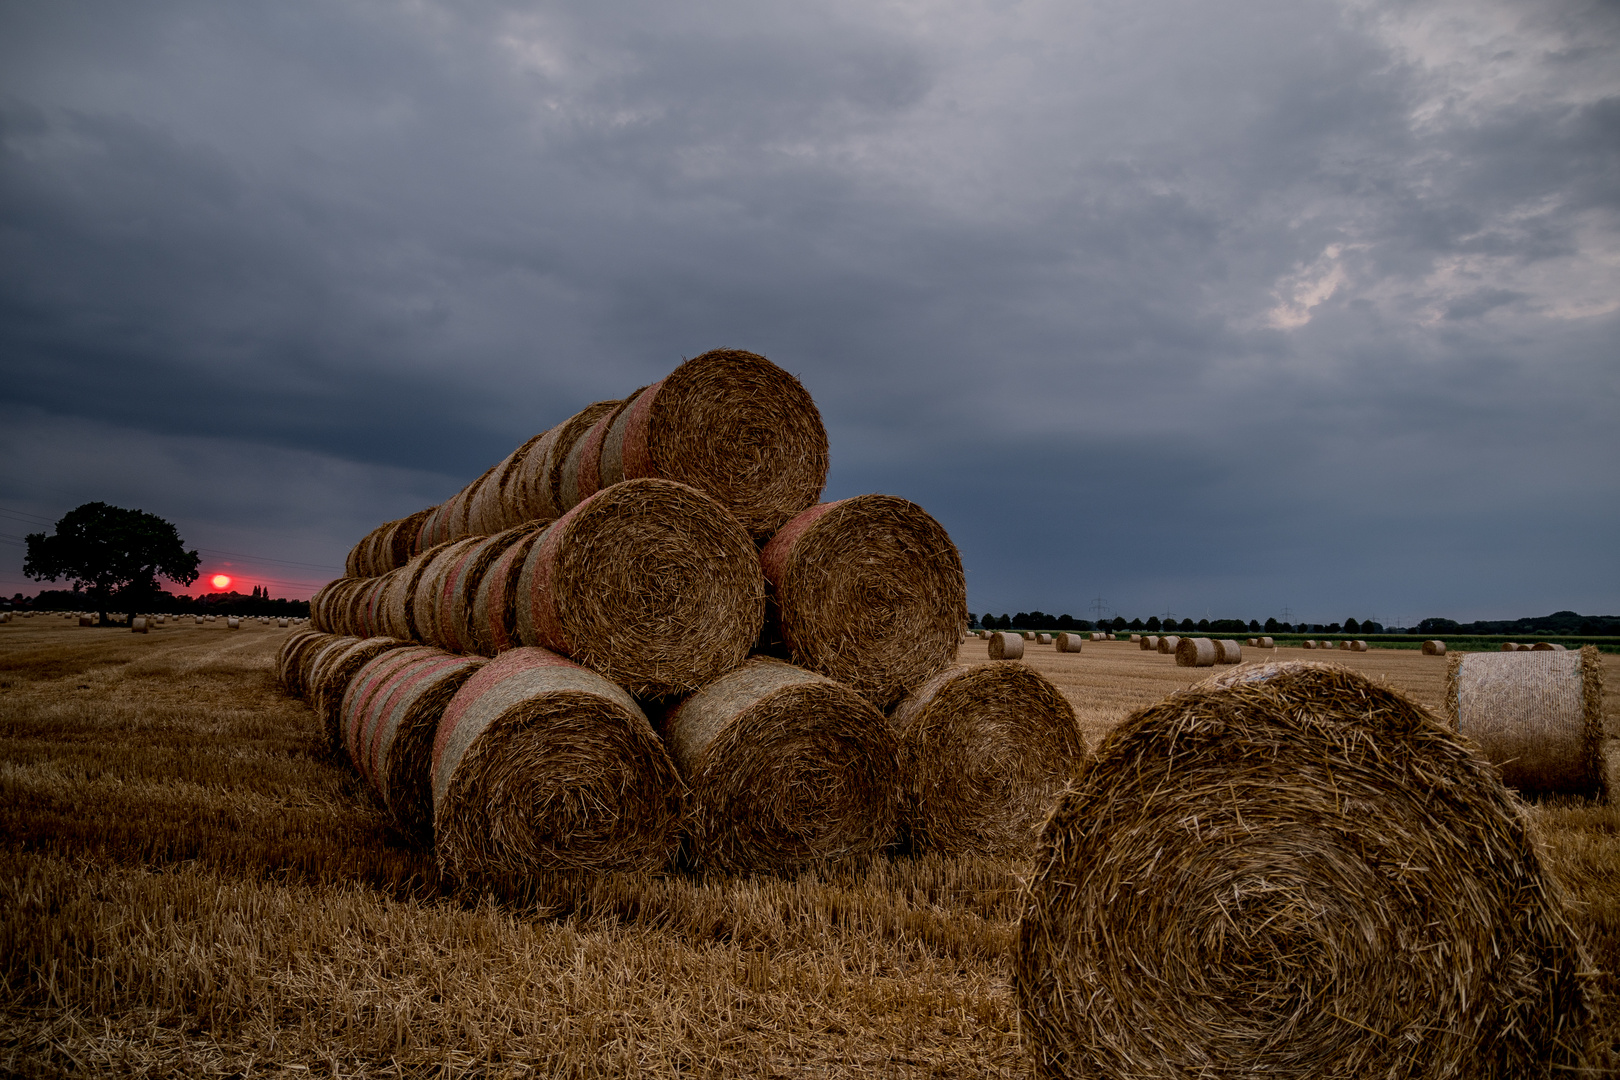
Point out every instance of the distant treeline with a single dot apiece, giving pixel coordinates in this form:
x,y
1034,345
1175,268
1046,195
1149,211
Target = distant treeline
x,y
159,601
1562,623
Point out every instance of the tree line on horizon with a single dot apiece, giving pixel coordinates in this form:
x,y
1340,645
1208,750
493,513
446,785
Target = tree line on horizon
x,y
1559,623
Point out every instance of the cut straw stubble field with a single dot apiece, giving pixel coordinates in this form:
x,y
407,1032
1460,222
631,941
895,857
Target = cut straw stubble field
x,y
189,885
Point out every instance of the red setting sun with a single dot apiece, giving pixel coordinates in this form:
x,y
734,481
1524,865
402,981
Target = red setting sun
x,y
220,581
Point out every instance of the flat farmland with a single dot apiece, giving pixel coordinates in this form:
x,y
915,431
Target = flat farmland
x,y
190,885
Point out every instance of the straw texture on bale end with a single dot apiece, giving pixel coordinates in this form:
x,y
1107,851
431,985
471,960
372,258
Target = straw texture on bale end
x,y
391,713
542,765
1538,718
1005,646
787,769
983,750
1196,652
868,591
729,423
649,582
1290,871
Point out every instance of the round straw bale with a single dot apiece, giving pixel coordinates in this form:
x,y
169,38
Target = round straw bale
x,y
581,468
138,625
281,623
983,750
391,712
1027,635
786,768
731,424
541,764
1307,644
461,507
311,660
1149,642
546,477
1006,646
1267,643
1068,642
1537,718
232,622
1291,871
330,678
1510,646
286,667
435,528
457,624
1196,652
399,597
1169,644
317,606
495,607
1228,652
1434,647
1043,639
649,582
359,562
1135,638
491,508
1358,645
868,591
428,611
1540,646
406,540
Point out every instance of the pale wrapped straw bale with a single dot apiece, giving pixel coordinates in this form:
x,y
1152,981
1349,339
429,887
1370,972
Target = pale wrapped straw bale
x,y
1006,646
1538,717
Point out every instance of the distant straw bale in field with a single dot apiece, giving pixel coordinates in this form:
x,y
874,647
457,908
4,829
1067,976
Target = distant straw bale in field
x,y
868,591
1228,651
729,423
1043,639
1279,873
786,768
330,678
1434,647
232,622
983,750
390,713
1149,643
1538,717
1135,638
1544,646
1358,645
650,583
1196,652
1169,644
1307,644
1267,643
138,625
540,765
1510,646
1068,642
1006,646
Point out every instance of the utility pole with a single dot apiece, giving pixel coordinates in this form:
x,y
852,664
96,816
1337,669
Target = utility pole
x,y
1098,606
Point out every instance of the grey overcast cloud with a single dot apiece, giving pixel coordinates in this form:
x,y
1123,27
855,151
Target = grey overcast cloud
x,y
1219,308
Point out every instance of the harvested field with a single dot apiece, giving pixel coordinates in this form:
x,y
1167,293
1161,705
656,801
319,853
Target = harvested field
x,y
193,886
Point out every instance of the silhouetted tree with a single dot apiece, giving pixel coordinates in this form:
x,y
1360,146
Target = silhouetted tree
x,y
111,552
1153,624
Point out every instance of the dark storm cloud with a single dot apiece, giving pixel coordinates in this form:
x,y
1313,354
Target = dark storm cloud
x,y
1188,305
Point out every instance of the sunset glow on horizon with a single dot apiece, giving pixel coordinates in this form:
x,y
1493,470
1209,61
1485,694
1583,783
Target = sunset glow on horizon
x,y
220,581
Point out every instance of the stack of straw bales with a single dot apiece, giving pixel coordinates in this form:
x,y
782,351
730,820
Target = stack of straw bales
x,y
1538,717
659,555
1289,870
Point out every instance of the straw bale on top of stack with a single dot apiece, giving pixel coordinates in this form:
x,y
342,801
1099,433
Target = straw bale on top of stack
x,y
1291,871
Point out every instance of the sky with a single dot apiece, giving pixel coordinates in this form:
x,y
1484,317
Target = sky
x,y
1220,308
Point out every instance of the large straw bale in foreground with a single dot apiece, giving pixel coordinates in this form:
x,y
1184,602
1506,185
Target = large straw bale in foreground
x,y
729,423
540,764
786,768
1005,646
1289,871
390,715
1537,716
983,750
868,591
649,582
